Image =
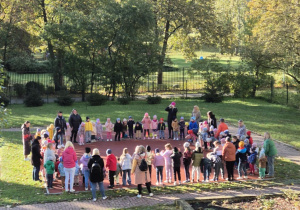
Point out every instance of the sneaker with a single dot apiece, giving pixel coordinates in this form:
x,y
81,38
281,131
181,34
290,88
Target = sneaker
x,y
170,181
72,190
203,181
166,181
245,177
104,198
179,182
26,159
94,199
110,139
157,183
151,194
174,139
86,189
110,186
177,139
139,196
175,183
192,181
239,178
160,183
107,139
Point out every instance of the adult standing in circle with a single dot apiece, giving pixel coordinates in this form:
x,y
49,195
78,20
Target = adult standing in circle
x,y
26,138
69,161
271,152
228,154
172,111
74,121
61,123
211,119
36,158
196,113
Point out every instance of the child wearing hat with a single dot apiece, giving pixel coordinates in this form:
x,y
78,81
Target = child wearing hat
x,y
161,128
158,163
182,128
84,160
146,125
118,129
176,162
130,124
108,128
154,124
81,133
111,165
124,128
138,130
88,130
175,127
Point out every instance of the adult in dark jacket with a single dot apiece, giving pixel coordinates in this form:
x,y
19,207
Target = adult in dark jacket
x,y
96,165
118,128
176,162
211,119
60,122
74,121
172,111
36,158
26,138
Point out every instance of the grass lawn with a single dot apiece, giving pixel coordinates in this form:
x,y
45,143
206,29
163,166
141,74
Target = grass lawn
x,y
259,116
17,187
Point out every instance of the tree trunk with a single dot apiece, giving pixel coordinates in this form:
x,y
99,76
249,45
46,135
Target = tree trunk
x,y
93,73
83,93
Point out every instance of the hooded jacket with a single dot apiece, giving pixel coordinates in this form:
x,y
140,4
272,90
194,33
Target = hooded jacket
x,y
146,122
49,166
49,153
125,162
161,126
85,160
138,128
69,157
249,137
111,162
228,152
196,157
167,155
241,155
270,148
176,159
36,153
175,125
252,158
118,127
61,123
96,176
130,124
158,160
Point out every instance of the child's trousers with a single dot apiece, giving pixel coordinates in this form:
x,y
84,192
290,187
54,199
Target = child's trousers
x,y
88,135
181,134
196,169
108,135
49,180
251,166
130,133
217,168
138,134
76,179
62,178
159,171
169,172
118,135
206,172
161,134
177,171
175,134
262,172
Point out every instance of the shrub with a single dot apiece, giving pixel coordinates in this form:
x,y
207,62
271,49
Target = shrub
x,y
124,100
215,88
153,100
96,99
50,90
33,99
64,99
20,90
3,99
34,86
74,89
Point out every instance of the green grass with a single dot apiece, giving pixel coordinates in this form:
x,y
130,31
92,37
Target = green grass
x,y
259,116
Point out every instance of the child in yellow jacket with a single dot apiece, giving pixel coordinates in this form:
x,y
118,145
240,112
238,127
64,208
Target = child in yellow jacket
x,y
50,130
88,130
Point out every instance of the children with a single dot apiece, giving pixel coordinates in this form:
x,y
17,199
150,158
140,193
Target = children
x,y
154,125
236,142
50,130
94,132
56,136
49,166
196,159
60,150
181,128
205,167
249,137
38,133
217,165
168,161
175,127
204,136
252,161
68,132
262,164
161,128
241,156
149,158
125,162
218,151
81,132
118,129
88,130
61,170
130,124
77,172
176,162
138,130
187,158
191,136
247,145
84,160
118,171
99,129
146,124
124,127
111,164
158,163
108,127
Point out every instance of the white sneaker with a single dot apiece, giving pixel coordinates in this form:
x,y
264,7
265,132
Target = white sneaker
x,y
107,139
166,181
86,189
245,177
239,177
151,194
160,183
72,190
170,181
177,139
104,198
174,139
94,199
179,182
175,183
157,183
26,159
62,145
110,139
139,196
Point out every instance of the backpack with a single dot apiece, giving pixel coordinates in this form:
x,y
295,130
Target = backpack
x,y
143,166
96,169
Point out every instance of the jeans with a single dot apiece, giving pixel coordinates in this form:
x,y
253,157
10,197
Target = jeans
x,y
74,134
242,166
159,171
130,133
161,134
175,134
177,171
49,180
35,173
69,175
229,167
111,175
181,133
126,173
271,165
61,138
218,167
88,136
101,187
187,171
262,172
206,172
86,174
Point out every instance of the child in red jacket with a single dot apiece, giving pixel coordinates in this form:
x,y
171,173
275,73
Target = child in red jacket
x,y
111,164
249,137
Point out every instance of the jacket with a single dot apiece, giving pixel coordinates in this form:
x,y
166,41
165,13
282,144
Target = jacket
x,y
176,159
154,124
270,148
88,126
49,153
187,158
241,155
171,114
161,126
228,152
196,157
138,128
99,128
140,177
158,160
77,169
111,162
68,131
81,130
197,116
175,125
130,124
212,121
124,127
125,162
75,121
242,130
181,125
166,155
205,164
96,176
236,144
146,122
61,169
262,162
118,127
49,166
109,127
61,123
193,126
222,127
252,158
69,157
85,160
50,130
36,153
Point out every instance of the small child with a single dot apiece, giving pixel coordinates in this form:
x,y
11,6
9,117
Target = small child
x,y
247,145
94,132
241,156
217,165
161,128
130,124
111,164
138,130
262,164
205,167
38,133
176,162
68,132
81,132
50,130
187,159
168,161
211,131
77,173
175,127
191,136
124,128
218,151
146,125
249,137
61,170
196,159
118,171
252,161
56,137
88,130
182,128
49,167
158,163
154,125
236,142
204,136
99,129
85,170
149,158
118,129
60,150
108,128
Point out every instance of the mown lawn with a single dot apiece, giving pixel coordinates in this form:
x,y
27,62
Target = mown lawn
x,y
259,116
17,187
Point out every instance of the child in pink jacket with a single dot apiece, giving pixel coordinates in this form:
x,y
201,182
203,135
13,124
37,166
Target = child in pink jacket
x,y
158,163
154,125
168,161
108,128
146,125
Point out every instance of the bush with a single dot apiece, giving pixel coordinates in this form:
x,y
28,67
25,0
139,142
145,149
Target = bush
x,y
20,90
50,90
64,99
96,99
3,99
34,86
153,100
74,89
33,99
124,100
215,88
